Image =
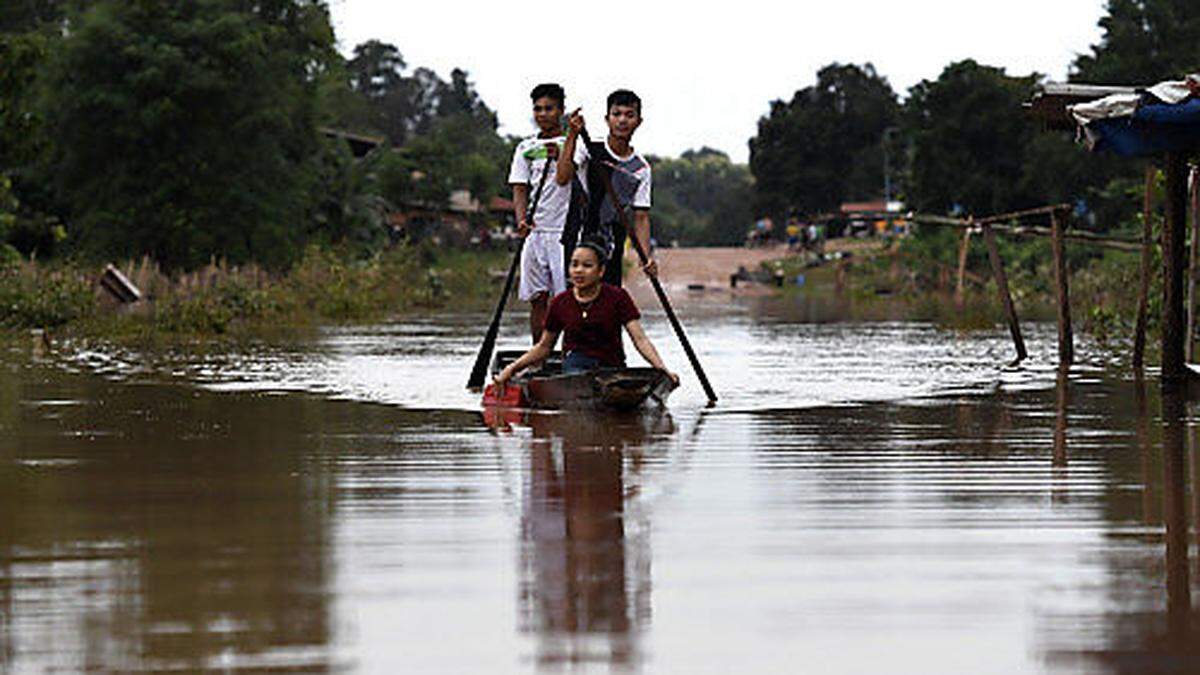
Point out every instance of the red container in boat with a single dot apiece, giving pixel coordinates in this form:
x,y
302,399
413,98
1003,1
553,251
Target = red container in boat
x,y
513,397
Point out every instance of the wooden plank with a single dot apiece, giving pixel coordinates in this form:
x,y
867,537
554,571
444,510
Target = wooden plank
x,y
1174,256
1139,330
1010,312
1066,346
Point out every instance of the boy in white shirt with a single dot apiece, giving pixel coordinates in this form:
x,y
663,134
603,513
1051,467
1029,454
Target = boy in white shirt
x,y
533,178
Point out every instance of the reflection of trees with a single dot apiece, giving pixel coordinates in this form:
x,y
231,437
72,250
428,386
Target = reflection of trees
x,y
181,530
583,574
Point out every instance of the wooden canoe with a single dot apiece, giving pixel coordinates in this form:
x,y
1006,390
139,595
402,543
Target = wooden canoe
x,y
602,389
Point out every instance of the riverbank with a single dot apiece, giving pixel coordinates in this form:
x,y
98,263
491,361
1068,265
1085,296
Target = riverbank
x,y
901,280
220,300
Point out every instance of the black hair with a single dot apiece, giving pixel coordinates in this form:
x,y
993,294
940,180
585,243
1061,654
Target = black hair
x,y
624,97
597,246
549,90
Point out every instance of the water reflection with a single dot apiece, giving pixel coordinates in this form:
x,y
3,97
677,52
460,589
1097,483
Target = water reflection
x,y
151,527
1151,628
1179,596
937,523
585,568
1061,397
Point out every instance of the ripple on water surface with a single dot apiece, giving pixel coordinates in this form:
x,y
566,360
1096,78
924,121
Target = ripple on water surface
x,y
868,497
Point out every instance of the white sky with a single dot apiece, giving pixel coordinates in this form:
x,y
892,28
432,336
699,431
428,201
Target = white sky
x,y
707,74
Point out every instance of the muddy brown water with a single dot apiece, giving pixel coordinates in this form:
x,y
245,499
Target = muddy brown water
x,y
866,498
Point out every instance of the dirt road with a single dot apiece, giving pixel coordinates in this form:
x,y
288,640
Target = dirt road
x,y
711,267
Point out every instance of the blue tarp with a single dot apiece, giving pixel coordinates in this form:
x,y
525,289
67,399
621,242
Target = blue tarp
x,y
1153,129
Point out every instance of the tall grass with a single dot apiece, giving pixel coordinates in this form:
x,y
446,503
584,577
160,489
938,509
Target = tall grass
x,y
218,299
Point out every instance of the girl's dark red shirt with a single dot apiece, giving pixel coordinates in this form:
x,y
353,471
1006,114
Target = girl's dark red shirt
x,y
599,335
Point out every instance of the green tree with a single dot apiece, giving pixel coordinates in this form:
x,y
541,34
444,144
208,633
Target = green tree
x,y
1144,41
824,146
18,16
701,198
970,141
21,55
187,130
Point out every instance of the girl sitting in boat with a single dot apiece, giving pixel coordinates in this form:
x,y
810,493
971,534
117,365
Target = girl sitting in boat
x,y
590,315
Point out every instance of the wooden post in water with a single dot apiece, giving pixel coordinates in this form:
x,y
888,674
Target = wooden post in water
x,y
1174,255
1190,337
1061,382
1014,327
1066,346
1139,331
963,249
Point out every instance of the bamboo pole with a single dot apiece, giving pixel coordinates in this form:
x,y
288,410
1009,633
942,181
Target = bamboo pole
x,y
1139,331
1016,215
1174,228
1014,327
1115,243
963,249
1066,347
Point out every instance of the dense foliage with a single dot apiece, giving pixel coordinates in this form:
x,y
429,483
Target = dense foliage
x,y
701,198
193,131
187,130
825,145
963,141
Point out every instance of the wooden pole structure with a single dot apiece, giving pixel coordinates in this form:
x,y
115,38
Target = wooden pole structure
x,y
1190,336
1014,327
1114,243
1017,215
1139,331
1066,347
1174,227
963,249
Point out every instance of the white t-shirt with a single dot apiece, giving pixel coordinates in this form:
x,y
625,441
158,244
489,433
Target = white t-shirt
x,y
528,161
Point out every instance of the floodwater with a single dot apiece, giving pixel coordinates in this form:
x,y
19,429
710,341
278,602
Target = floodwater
x,y
881,497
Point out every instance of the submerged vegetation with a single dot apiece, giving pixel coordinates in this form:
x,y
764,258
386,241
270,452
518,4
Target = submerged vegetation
x,y
915,278
224,299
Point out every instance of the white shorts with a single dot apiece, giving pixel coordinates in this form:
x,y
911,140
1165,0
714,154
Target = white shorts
x,y
542,265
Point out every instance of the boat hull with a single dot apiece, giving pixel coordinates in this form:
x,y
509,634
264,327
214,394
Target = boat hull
x,y
606,388
603,388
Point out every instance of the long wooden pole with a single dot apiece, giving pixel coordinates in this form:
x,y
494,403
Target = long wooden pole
x,y
964,249
1014,327
1015,215
479,370
1139,331
1066,347
658,290
1174,227
1115,243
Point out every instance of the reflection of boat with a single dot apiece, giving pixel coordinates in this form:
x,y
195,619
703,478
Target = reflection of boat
x,y
603,388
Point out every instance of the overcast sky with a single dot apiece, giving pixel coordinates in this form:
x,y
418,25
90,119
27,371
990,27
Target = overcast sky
x,y
707,75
